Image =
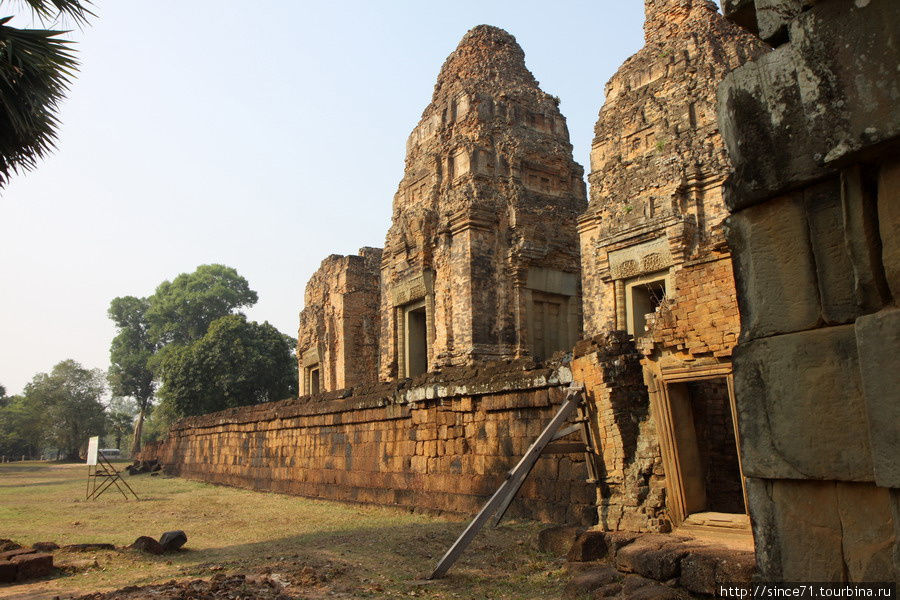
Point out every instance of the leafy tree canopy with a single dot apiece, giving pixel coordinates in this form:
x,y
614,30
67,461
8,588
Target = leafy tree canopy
x,y
36,68
129,356
70,399
182,310
236,363
131,349
23,425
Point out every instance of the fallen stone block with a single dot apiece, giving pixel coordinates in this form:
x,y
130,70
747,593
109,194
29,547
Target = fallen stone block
x,y
88,547
147,544
7,571
10,554
597,545
31,566
698,573
558,540
735,566
172,540
77,566
654,556
592,579
45,546
7,545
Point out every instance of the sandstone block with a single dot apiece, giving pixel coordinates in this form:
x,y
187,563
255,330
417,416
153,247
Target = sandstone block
x,y
45,546
31,566
867,530
653,556
590,580
557,540
789,115
837,292
860,230
734,566
773,18
8,571
596,545
800,407
11,554
878,343
808,527
698,573
889,223
774,268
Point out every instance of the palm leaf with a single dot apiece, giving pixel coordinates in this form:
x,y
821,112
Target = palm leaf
x,y
50,10
36,67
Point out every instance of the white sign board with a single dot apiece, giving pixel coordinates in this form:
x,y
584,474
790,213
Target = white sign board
x,y
93,445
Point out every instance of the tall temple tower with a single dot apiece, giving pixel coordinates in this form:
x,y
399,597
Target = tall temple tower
x,y
481,261
655,262
658,165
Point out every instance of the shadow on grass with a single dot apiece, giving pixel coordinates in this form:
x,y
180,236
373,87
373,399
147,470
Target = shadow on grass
x,y
399,558
35,484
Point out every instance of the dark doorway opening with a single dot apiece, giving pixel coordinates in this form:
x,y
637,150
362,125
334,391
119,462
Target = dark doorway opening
x,y
706,447
314,384
416,342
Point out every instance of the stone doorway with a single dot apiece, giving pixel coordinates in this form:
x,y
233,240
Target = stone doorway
x,y
416,342
699,442
314,383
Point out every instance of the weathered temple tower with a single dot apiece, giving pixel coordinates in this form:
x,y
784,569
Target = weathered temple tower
x,y
481,260
337,343
655,264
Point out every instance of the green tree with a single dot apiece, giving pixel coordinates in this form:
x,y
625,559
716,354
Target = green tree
x,y
237,362
130,353
182,310
36,68
23,427
70,397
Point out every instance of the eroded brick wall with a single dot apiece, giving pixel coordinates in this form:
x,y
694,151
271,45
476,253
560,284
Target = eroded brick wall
x,y
339,323
701,317
441,443
631,483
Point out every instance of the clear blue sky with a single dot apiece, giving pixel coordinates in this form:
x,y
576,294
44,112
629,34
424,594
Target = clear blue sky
x,y
262,135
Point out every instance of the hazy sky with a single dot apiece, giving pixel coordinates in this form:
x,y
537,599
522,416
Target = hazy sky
x,y
262,135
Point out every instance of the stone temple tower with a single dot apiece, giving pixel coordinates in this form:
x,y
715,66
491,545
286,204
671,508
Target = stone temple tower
x,y
481,261
656,263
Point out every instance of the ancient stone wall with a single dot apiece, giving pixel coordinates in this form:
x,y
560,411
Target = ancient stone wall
x,y
631,484
442,442
481,261
337,343
813,130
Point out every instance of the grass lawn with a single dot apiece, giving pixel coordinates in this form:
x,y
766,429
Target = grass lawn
x,y
322,549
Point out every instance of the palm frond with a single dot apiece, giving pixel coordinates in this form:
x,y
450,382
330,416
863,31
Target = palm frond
x,y
50,10
36,67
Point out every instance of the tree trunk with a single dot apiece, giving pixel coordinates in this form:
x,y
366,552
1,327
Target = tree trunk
x,y
138,430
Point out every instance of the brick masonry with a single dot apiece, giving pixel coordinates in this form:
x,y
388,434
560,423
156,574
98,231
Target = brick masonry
x,y
338,333
442,442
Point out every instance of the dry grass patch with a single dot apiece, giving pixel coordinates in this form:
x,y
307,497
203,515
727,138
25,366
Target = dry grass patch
x,y
319,548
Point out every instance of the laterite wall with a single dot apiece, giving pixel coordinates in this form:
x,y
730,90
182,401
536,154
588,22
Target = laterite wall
x,y
443,442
